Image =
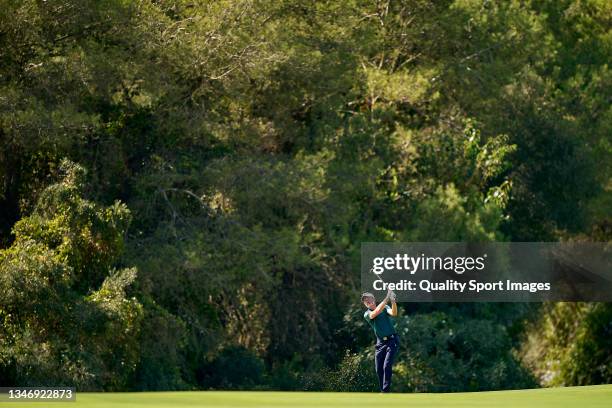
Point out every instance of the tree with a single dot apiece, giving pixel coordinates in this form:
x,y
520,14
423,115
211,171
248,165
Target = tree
x,y
66,317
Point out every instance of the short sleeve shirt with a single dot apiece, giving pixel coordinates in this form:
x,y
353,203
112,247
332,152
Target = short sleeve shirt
x,y
381,324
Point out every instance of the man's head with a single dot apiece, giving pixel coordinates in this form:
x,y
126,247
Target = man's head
x,y
368,300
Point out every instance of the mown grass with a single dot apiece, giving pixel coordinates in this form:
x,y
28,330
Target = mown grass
x,y
581,397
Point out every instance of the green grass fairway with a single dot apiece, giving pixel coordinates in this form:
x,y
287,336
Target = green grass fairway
x,y
581,397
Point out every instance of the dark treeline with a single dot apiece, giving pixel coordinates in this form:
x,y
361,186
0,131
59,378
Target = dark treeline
x,y
184,187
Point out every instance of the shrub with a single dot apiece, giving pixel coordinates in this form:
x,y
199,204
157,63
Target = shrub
x,y
235,368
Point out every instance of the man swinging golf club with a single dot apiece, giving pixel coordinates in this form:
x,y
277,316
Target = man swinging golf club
x,y
387,342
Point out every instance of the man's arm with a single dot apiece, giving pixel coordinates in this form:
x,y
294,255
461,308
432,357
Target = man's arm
x,y
393,311
379,308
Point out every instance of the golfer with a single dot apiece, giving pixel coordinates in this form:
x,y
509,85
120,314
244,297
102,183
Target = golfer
x,y
387,342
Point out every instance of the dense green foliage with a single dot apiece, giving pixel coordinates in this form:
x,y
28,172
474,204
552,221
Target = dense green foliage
x,y
65,314
571,344
254,145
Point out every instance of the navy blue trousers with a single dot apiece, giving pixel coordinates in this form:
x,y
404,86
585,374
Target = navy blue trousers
x,y
385,351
